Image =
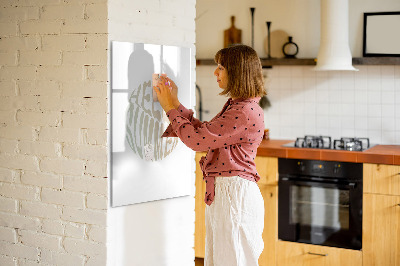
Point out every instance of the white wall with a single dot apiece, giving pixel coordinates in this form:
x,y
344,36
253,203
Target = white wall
x,y
161,232
338,104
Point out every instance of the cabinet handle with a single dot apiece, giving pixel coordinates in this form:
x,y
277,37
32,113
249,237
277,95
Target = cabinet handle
x,y
318,254
398,204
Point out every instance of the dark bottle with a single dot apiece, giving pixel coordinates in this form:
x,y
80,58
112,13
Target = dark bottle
x,y
290,49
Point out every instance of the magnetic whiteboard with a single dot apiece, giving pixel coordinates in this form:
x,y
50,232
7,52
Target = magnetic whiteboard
x,y
144,166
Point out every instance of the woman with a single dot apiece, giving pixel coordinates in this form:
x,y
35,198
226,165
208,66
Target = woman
x,y
235,207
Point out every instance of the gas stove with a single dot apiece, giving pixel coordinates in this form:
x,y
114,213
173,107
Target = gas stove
x,y
325,142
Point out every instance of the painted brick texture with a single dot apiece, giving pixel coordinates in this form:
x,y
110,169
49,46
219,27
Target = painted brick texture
x,y
53,132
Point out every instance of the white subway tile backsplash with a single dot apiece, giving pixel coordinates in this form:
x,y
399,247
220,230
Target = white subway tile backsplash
x,y
334,109
397,110
374,123
308,72
361,123
334,80
389,136
348,133
322,83
388,97
388,124
348,122
297,72
322,109
397,95
335,122
348,96
284,83
387,72
388,111
361,110
338,104
347,77
335,95
375,136
360,81
322,95
286,120
360,97
322,121
374,111
388,84
297,97
284,72
374,97
374,70
310,108
297,83
397,71
347,110
374,84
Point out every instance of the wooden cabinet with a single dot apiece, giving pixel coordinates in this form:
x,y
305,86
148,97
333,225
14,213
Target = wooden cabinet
x,y
381,221
381,230
270,233
381,179
268,169
200,207
381,215
298,254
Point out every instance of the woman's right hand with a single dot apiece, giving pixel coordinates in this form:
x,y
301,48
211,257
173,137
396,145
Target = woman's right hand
x,y
174,92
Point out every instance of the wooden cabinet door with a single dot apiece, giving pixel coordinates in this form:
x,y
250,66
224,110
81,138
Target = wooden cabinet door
x,y
200,207
381,179
381,230
298,254
267,168
270,233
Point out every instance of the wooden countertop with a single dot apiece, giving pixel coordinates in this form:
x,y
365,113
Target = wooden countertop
x,y
379,154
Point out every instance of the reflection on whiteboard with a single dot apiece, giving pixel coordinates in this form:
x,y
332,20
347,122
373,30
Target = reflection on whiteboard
x,y
144,166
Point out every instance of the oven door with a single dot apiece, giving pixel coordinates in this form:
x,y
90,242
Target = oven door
x,y
321,212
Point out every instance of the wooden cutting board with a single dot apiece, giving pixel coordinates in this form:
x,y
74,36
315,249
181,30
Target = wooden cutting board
x,y
232,35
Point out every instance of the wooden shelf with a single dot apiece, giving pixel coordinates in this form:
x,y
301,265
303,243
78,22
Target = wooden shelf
x,y
376,61
312,61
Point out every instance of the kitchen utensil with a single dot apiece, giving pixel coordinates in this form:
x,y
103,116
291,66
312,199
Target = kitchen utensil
x,y
252,9
232,35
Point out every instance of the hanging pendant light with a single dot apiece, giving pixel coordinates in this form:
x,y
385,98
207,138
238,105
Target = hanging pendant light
x,y
334,51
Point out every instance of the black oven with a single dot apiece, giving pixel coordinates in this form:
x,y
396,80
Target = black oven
x,y
320,202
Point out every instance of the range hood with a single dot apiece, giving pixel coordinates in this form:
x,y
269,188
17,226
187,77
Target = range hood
x,y
334,51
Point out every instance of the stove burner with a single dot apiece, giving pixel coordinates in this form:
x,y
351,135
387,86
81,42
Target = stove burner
x,y
351,144
308,141
324,142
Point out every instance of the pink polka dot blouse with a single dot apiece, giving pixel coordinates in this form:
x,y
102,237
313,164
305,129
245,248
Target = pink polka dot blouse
x,y
231,139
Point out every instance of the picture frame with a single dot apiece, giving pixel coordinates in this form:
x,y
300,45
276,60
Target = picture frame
x,y
381,37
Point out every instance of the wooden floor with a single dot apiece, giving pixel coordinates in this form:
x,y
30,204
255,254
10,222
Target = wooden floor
x,y
199,262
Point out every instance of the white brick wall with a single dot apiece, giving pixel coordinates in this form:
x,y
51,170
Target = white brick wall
x,y
53,122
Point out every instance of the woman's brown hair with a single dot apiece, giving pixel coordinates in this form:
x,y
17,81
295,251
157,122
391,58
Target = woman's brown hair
x,y
245,78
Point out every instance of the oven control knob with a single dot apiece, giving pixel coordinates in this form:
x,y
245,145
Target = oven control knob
x,y
336,169
302,167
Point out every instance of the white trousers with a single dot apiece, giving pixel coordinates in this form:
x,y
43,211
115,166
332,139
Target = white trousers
x,y
234,223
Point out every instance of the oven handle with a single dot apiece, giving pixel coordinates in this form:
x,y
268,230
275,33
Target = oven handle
x,y
297,181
